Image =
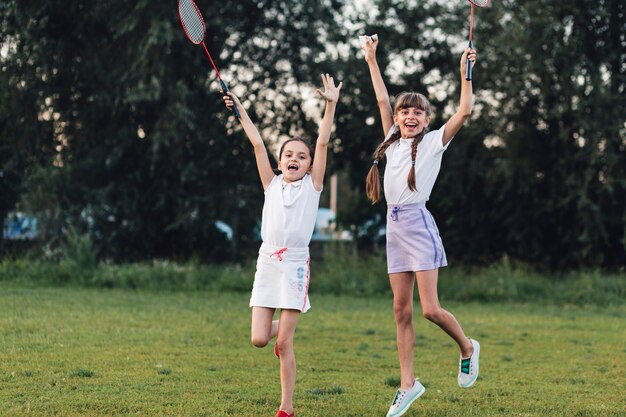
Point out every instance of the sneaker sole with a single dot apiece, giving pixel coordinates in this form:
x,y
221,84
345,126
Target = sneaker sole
x,y
469,384
405,409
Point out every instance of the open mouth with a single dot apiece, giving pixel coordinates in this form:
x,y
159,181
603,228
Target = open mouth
x,y
292,167
410,125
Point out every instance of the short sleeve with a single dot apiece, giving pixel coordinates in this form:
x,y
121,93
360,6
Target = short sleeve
x,y
275,180
309,180
434,141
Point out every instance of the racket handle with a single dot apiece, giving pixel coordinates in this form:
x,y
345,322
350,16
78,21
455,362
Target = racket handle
x,y
226,90
468,69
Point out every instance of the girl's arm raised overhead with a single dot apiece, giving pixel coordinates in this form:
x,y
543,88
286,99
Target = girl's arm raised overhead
x,y
382,96
260,151
466,103
331,94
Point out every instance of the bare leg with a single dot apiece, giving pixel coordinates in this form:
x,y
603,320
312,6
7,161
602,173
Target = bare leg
x,y
432,310
402,286
284,345
263,328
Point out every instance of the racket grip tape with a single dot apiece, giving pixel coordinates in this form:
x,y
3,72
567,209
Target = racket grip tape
x,y
468,69
226,90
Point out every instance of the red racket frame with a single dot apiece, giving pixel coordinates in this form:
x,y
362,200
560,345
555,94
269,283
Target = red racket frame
x,y
468,72
223,85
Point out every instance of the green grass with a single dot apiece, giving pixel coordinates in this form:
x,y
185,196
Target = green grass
x,y
97,352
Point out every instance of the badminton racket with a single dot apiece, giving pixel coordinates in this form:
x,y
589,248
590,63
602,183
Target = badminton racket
x,y
193,24
481,4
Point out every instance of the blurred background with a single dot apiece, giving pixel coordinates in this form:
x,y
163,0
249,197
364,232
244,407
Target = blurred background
x,y
113,133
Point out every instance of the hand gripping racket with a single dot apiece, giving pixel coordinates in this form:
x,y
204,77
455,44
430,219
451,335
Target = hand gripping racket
x,y
481,4
194,27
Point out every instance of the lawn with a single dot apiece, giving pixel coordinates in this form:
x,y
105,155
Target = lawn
x,y
96,352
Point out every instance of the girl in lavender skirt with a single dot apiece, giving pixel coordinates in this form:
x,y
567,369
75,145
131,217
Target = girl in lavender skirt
x,y
414,248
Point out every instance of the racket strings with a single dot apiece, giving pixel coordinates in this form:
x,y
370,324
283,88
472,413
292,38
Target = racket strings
x,y
479,3
192,20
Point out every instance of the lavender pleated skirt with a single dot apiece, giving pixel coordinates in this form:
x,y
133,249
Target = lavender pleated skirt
x,y
413,241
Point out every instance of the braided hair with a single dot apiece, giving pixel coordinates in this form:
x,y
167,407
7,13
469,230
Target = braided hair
x,y
405,100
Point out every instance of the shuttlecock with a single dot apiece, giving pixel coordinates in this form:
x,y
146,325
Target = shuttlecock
x,y
362,39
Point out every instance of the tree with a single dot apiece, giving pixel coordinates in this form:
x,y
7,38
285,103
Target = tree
x,y
146,156
537,173
113,121
24,129
555,92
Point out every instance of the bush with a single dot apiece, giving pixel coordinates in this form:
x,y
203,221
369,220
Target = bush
x,y
337,271
342,272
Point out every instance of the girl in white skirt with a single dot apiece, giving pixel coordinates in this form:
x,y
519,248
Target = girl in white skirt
x,y
291,201
414,247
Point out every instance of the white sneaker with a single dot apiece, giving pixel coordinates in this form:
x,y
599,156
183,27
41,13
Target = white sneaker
x,y
468,368
403,399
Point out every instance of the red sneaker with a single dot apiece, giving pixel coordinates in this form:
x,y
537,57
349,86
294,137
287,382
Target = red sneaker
x,y
281,413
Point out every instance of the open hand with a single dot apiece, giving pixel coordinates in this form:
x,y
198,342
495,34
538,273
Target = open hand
x,y
331,92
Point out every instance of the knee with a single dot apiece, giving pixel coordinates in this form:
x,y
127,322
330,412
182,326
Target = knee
x,y
283,347
433,314
403,313
259,341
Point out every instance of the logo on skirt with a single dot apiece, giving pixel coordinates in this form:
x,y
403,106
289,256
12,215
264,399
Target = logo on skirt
x,y
299,283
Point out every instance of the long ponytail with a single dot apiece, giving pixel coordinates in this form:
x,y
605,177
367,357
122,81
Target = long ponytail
x,y
411,178
372,182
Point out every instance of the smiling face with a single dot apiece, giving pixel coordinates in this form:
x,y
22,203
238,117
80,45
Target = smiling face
x,y
411,114
294,160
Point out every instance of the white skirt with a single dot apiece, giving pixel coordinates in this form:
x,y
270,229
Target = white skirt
x,y
282,278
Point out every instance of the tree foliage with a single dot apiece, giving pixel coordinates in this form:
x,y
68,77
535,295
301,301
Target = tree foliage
x,y
549,187
111,121
146,157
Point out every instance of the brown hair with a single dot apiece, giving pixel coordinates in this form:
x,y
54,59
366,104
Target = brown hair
x,y
306,141
372,183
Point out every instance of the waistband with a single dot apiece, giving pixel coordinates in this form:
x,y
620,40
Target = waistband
x,y
394,209
269,249
406,206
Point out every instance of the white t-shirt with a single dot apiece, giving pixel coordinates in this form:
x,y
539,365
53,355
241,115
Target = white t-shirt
x,y
289,212
427,165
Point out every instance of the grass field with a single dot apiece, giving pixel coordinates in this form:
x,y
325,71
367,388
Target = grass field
x,y
94,352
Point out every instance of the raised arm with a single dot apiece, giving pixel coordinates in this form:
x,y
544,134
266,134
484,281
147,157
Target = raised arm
x,y
260,151
331,94
382,96
466,103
